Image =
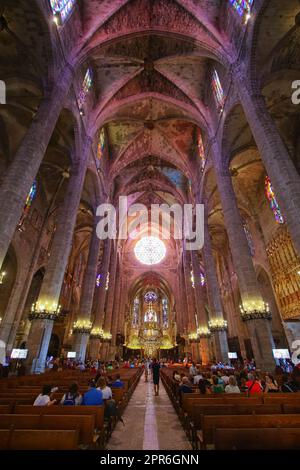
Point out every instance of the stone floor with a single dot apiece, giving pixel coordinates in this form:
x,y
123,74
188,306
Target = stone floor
x,y
150,423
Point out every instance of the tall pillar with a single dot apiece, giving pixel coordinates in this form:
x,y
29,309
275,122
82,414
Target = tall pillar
x,y
13,314
253,307
46,308
217,324
203,330
110,303
273,151
83,325
191,310
115,317
21,173
96,333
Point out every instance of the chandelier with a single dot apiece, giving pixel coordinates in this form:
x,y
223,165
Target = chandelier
x,y
150,250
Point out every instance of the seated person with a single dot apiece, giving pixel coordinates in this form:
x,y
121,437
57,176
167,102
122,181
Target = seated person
x,y
176,376
106,391
291,384
204,387
92,397
193,370
72,397
197,377
253,385
217,387
232,386
44,399
118,382
185,387
271,386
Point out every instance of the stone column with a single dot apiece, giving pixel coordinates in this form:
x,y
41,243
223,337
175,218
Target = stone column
x,y
83,325
47,307
110,300
21,173
217,324
95,338
14,312
273,151
115,316
191,310
253,308
201,312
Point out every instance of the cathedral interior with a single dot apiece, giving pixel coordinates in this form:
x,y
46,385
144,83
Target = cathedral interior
x,y
165,102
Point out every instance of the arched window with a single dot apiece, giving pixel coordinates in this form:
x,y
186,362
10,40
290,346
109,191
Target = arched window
x,y
165,312
202,278
135,312
243,8
86,86
273,201
249,237
201,149
218,91
150,297
150,315
29,200
99,280
61,9
101,144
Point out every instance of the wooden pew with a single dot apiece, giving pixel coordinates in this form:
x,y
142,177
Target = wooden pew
x,y
210,423
85,424
287,399
291,409
33,439
256,439
6,408
194,420
188,402
97,411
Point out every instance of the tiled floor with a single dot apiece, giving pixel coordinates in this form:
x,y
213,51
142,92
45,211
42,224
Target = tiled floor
x,y
150,423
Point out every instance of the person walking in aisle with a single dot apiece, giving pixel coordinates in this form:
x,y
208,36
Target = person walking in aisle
x,y
155,375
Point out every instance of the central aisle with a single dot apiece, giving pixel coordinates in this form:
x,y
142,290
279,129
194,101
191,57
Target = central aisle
x,y
150,423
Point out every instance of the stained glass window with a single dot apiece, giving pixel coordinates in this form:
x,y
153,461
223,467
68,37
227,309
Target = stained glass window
x,y
201,149
202,278
165,312
150,315
99,280
273,201
29,200
218,90
135,313
150,297
61,9
249,238
86,86
101,144
150,250
242,7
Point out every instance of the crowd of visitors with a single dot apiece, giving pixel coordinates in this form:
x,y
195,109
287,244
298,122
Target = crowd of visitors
x,y
229,380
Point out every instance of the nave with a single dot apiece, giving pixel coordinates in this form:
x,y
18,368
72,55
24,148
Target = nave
x,y
150,423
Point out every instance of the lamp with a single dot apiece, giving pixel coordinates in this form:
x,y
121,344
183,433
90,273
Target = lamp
x,y
44,310
82,327
217,324
255,310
